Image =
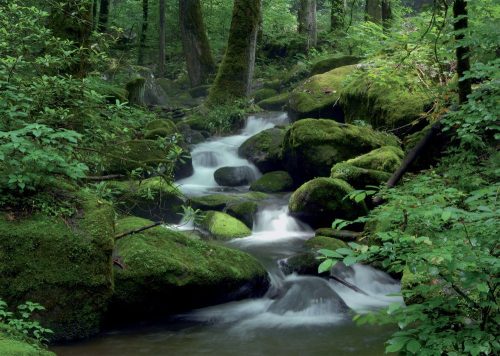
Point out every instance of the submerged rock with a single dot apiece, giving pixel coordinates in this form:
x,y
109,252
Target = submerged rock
x,y
320,201
264,149
234,176
312,146
64,266
165,271
222,226
273,182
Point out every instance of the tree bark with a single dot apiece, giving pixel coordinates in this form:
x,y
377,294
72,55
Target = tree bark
x,y
462,52
103,15
94,13
144,30
199,60
161,52
235,74
337,15
373,11
307,22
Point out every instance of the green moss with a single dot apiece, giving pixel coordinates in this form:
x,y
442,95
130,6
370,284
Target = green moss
x,y
159,128
312,146
65,266
320,201
112,92
273,84
264,149
277,102
222,226
384,100
316,96
358,177
273,182
10,346
236,71
199,91
328,64
263,94
151,198
385,159
222,201
167,270
319,242
244,211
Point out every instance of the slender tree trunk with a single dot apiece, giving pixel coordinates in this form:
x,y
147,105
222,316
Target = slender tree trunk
x,y
144,30
103,15
199,60
161,52
234,78
337,15
307,22
94,13
378,11
462,52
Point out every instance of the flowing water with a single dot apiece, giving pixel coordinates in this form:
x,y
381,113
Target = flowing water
x,y
299,315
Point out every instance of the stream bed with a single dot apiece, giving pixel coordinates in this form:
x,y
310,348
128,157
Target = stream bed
x,y
299,315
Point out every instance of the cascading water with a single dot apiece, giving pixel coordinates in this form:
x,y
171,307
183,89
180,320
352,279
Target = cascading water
x,y
291,318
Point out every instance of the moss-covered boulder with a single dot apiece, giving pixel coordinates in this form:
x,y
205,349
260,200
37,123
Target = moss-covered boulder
x,y
359,178
222,226
319,242
318,96
12,346
385,159
273,84
199,91
133,154
263,94
383,100
312,146
328,64
342,235
222,201
63,265
243,211
166,271
275,103
264,149
151,198
273,182
234,176
320,201
159,128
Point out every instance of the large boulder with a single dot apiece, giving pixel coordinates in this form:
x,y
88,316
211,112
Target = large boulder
x,y
385,159
165,271
159,128
264,149
276,103
63,265
222,226
359,178
221,202
234,176
244,211
328,64
318,96
312,146
263,94
273,182
151,198
320,201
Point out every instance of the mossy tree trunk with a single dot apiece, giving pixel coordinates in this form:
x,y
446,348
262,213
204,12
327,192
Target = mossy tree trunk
x,y
103,15
235,74
161,52
72,20
378,11
144,30
307,22
337,15
199,60
94,13
462,51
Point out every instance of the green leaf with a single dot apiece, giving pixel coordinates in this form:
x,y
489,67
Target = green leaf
x,y
446,215
326,265
413,346
330,253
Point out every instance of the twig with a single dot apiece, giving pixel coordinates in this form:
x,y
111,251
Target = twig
x,y
135,231
101,178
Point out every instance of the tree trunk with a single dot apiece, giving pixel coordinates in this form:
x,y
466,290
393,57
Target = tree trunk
x,y
199,60
72,20
378,11
337,15
307,22
94,13
161,52
462,52
235,74
144,30
103,15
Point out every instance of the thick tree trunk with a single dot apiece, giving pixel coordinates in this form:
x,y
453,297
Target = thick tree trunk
x,y
462,52
373,11
337,15
161,52
235,74
307,22
144,30
199,60
103,15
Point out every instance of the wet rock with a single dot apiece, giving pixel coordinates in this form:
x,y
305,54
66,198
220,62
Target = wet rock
x,y
273,182
275,103
222,226
264,149
234,176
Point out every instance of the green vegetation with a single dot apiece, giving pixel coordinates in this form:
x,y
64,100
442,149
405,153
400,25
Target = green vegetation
x,y
273,182
222,226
